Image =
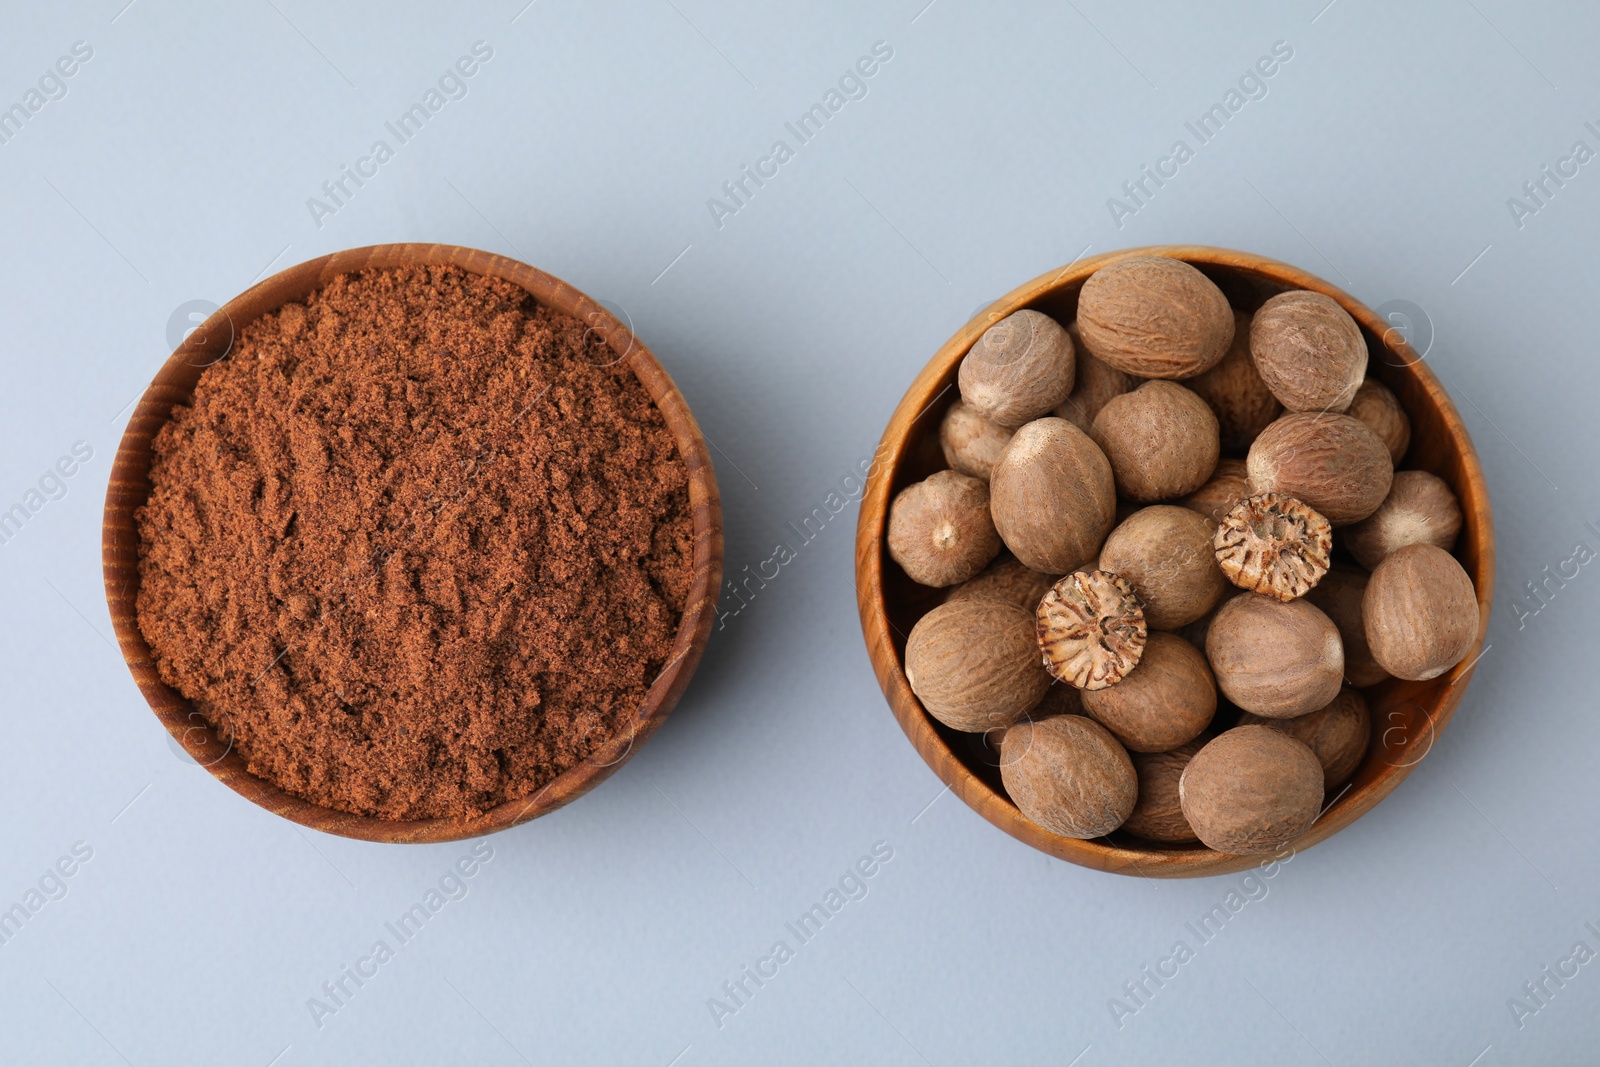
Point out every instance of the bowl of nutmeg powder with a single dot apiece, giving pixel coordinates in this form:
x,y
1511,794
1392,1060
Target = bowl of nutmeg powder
x,y
412,543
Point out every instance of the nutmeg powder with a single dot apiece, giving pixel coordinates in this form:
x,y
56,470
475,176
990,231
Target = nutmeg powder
x,y
416,546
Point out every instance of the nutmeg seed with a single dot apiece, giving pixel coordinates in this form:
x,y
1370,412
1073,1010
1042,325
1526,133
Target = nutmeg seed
x,y
1420,509
1165,553
1273,545
974,663
940,530
1251,790
1168,699
1377,406
1052,496
1339,595
1243,404
1309,351
1007,579
1019,369
970,442
1068,775
1337,734
1331,463
1158,815
1161,440
1091,629
1154,317
1229,484
1097,382
1421,612
1278,659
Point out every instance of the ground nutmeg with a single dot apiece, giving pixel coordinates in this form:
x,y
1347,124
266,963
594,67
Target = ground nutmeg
x,y
417,546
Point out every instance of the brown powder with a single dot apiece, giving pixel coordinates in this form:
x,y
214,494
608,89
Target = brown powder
x,y
413,545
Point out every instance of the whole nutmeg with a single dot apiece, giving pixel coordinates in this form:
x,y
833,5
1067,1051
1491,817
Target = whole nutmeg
x,y
1243,404
974,663
1309,351
1097,383
940,531
1339,595
1377,406
971,443
1251,790
1419,510
1052,496
1161,440
1007,579
1337,734
1019,369
1091,629
1275,658
1331,463
1165,553
1273,545
1229,484
1168,699
1154,317
1068,775
1158,815
1421,612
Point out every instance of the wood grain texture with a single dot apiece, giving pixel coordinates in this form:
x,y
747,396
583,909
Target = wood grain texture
x,y
1407,716
175,383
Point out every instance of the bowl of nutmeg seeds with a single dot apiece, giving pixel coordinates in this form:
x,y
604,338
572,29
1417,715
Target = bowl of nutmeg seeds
x,y
1174,559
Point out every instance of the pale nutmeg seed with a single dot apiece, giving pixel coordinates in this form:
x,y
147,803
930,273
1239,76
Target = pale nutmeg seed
x,y
1008,579
1339,595
1097,382
1154,317
1273,545
1158,814
1421,612
1243,404
1337,734
1251,790
1161,440
940,530
1165,553
1331,463
974,664
1229,484
970,442
1309,351
1069,776
1019,369
1419,510
1052,496
1091,629
1167,700
1275,658
1377,406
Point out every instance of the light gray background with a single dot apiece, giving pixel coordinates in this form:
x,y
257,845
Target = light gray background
x,y
178,167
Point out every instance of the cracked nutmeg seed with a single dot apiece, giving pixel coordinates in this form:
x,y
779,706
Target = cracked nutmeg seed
x,y
1273,545
1091,629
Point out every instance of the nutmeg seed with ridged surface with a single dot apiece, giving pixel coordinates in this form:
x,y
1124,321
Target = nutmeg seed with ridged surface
x,y
1421,612
1154,317
974,663
1251,790
1275,658
1019,369
1161,440
1309,351
940,529
970,442
1331,463
1052,496
1165,552
1068,775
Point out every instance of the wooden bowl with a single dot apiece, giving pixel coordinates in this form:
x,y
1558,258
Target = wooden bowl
x,y
175,383
1407,716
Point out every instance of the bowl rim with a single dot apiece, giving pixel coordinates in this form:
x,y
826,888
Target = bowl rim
x,y
174,383
995,806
